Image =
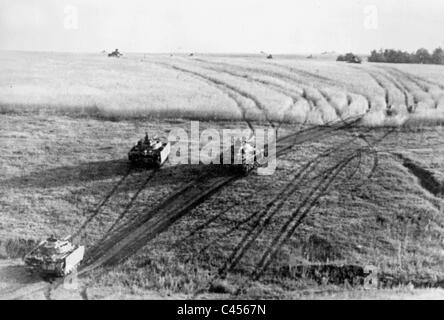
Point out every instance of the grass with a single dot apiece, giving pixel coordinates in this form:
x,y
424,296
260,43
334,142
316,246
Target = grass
x,y
391,222
67,166
60,158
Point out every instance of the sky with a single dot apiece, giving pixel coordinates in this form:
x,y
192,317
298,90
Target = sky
x,y
221,26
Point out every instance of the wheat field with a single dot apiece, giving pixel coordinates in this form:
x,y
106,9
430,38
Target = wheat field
x,y
286,89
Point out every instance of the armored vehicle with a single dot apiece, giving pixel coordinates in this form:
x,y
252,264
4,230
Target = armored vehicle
x,y
149,152
115,54
354,59
243,157
54,257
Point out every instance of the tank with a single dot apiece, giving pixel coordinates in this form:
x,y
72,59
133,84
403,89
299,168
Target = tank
x,y
243,157
355,59
149,152
54,257
115,54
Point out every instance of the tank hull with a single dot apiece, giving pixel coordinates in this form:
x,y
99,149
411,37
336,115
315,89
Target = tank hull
x,y
242,162
155,158
57,266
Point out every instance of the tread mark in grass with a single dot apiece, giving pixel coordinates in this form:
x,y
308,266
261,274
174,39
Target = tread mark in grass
x,y
226,91
418,81
318,77
295,97
262,218
130,203
297,216
101,204
311,101
242,93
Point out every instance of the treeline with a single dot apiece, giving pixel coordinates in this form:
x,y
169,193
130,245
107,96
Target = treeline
x,y
421,56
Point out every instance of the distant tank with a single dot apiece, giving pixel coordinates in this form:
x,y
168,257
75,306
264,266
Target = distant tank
x,y
149,152
352,58
115,54
355,59
243,157
54,257
267,55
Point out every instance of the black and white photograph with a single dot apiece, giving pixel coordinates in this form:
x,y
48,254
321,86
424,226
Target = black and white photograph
x,y
221,150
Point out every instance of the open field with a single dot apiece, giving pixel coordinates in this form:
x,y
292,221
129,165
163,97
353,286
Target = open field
x,y
68,121
230,88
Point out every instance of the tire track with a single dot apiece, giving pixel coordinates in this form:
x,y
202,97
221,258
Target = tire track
x,y
130,203
425,89
247,240
313,103
418,80
130,239
388,101
319,78
95,252
101,204
204,225
288,69
316,132
410,100
290,93
135,235
298,215
233,95
400,76
410,77
285,192
324,96
262,218
302,72
257,103
327,98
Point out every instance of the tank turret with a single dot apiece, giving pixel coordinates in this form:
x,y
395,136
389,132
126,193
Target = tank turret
x,y
149,152
57,257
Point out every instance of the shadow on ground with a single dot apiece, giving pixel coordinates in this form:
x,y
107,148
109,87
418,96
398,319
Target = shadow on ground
x,y
69,175
14,273
105,170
